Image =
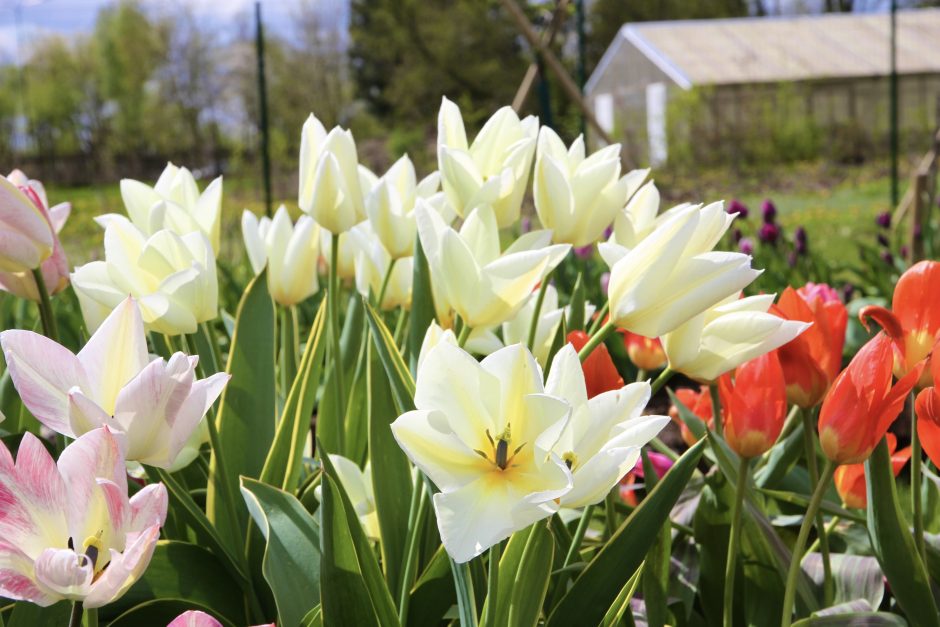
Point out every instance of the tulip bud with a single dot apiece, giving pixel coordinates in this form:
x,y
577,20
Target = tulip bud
x,y
646,353
330,188
754,405
699,402
850,478
600,373
290,253
26,239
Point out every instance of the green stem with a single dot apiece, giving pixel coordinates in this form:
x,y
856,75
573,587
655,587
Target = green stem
x,y
599,319
661,380
75,618
400,326
833,522
464,335
492,587
578,536
661,447
91,617
288,370
641,374
734,540
595,340
809,445
214,344
417,513
789,595
610,512
917,505
534,324
385,282
49,326
339,386
716,409
466,602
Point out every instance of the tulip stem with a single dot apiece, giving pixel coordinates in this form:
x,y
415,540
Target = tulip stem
x,y
716,409
417,514
466,602
464,335
49,327
534,324
75,618
797,557
333,294
661,380
492,586
917,505
595,340
578,536
385,282
599,318
733,541
806,416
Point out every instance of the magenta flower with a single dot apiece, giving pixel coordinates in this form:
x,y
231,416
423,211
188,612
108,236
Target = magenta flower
x,y
67,529
769,233
768,210
738,208
195,618
884,220
746,246
812,292
112,381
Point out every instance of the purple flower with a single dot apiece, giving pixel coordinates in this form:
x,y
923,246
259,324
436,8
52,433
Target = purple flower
x,y
605,281
738,208
769,233
768,210
904,251
746,245
584,252
792,258
525,225
847,291
884,220
736,235
800,240
887,257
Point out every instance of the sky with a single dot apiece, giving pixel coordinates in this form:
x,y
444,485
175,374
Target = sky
x,y
67,17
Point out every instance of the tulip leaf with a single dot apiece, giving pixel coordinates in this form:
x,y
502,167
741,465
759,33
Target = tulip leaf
x,y
26,614
291,563
422,305
391,472
597,587
400,379
246,419
781,458
285,459
892,542
314,618
433,593
353,590
621,604
855,577
202,341
524,572
331,418
287,348
162,612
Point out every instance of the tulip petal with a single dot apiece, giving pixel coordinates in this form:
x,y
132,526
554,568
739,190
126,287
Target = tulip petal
x,y
64,573
124,569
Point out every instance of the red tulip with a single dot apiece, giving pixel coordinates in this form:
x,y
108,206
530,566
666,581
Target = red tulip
x,y
600,373
927,407
862,403
914,318
699,403
645,352
811,362
850,478
754,405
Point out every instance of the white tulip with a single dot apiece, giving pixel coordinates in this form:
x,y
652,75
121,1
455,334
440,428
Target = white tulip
x,y
330,187
175,203
550,316
357,484
390,206
372,266
290,252
673,275
172,277
602,441
727,335
494,169
483,432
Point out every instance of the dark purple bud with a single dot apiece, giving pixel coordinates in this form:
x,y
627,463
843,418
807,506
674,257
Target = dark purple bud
x,y
917,231
887,257
792,257
800,240
769,233
847,291
884,220
736,235
746,245
584,252
738,208
905,251
768,210
883,240
608,232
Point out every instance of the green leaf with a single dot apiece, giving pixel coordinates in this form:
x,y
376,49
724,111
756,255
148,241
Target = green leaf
x,y
391,472
841,618
202,342
287,362
162,612
285,459
433,594
524,571
26,614
855,577
599,584
353,591
780,459
621,604
291,563
246,418
399,377
331,418
314,618
891,539
422,305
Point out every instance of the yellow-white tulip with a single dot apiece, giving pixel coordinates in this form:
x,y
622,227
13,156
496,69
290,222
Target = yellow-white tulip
x,y
469,274
602,441
372,266
390,206
484,433
346,258
357,483
517,329
494,169
727,335
172,277
290,252
175,203
641,216
673,275
330,187
577,197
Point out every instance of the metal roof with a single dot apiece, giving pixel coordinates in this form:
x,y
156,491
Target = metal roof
x,y
777,49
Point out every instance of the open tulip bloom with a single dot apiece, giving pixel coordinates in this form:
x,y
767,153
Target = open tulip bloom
x,y
156,404
68,530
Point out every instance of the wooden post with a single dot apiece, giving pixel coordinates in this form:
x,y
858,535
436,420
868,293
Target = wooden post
x,y
525,87
919,218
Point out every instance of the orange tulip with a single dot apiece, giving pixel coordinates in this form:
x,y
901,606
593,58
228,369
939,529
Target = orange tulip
x,y
645,352
699,403
914,318
811,362
862,403
754,405
927,407
850,478
600,373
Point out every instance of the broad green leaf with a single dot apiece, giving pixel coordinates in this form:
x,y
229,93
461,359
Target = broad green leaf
x,y
780,459
291,564
530,579
246,419
285,459
599,584
399,377
331,417
422,305
891,539
851,614
27,614
314,618
356,421
179,570
162,612
353,591
391,472
621,604
287,347
433,593
855,577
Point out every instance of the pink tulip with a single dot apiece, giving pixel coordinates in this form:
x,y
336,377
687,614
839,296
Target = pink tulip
x,y
25,237
112,381
195,618
68,530
55,267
